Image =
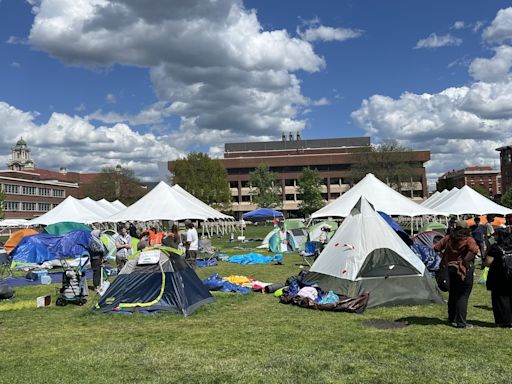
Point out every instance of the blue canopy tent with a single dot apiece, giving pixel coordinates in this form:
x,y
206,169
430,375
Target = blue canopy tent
x,y
262,214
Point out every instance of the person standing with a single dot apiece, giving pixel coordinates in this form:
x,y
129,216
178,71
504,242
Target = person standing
x,y
478,233
97,252
458,250
192,243
123,246
499,281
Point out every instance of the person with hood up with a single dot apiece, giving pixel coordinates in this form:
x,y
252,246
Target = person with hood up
x,y
97,253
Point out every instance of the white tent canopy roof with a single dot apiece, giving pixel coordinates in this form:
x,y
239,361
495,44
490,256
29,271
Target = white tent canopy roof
x,y
96,207
118,204
381,196
109,206
433,200
468,201
13,223
432,197
444,198
362,232
162,203
215,214
70,209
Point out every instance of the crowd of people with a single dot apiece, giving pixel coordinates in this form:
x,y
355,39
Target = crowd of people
x,y
189,242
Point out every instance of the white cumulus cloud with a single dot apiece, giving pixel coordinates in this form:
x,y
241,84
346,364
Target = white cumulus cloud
x,y
500,29
435,41
323,33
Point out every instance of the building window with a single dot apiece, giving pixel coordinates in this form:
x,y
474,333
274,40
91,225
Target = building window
x,y
246,198
289,182
44,191
28,206
29,190
335,195
54,205
58,193
233,184
44,207
234,199
335,180
290,197
11,189
324,196
11,206
325,181
245,184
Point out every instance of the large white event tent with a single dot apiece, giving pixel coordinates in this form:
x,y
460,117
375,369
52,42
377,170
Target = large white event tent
x,y
118,204
380,195
13,223
467,201
435,199
444,198
215,214
96,207
432,197
71,209
162,203
109,206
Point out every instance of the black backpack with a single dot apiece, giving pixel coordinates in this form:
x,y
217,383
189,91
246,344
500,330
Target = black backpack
x,y
507,263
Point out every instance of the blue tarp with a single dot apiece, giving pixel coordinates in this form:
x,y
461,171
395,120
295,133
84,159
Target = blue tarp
x,y
392,223
216,283
254,258
45,247
428,256
262,214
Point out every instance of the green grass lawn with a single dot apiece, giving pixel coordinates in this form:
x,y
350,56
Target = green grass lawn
x,y
248,339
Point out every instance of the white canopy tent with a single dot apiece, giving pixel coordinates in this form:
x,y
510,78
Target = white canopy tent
x,y
444,198
433,200
215,214
380,195
13,223
109,206
467,201
432,197
162,203
118,204
71,209
96,207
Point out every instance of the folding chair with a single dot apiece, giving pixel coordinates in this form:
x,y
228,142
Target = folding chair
x,y
310,253
5,264
206,250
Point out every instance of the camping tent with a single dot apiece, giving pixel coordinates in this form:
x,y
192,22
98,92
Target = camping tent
x,y
70,209
366,256
162,203
383,198
65,227
16,237
262,214
290,225
469,201
158,279
316,229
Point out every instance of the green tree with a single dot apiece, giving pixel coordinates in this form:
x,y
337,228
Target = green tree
x,y
265,189
388,162
506,199
309,187
115,183
2,202
205,178
481,190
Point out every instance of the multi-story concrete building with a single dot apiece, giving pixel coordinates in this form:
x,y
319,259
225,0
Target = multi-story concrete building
x,y
506,167
333,158
483,176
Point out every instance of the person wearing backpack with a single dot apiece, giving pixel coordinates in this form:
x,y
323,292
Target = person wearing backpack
x,y
499,279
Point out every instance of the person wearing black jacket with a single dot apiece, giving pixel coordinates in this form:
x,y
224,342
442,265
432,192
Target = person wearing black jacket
x,y
497,281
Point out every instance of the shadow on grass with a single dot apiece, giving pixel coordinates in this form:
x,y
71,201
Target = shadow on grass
x,y
486,307
413,320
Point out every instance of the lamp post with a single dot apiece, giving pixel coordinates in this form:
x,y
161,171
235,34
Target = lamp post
x,y
117,181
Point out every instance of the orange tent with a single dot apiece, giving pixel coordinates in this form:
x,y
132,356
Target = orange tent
x,y
16,237
496,223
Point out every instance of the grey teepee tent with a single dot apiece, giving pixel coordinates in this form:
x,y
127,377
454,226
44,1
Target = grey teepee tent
x,y
366,256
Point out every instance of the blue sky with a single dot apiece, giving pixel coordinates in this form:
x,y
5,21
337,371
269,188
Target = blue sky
x,y
91,83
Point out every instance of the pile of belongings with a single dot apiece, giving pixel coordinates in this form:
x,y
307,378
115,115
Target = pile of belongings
x,y
304,294
230,284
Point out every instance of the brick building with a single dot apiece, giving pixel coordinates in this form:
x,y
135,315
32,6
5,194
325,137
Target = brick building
x,y
30,192
506,167
483,176
333,158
